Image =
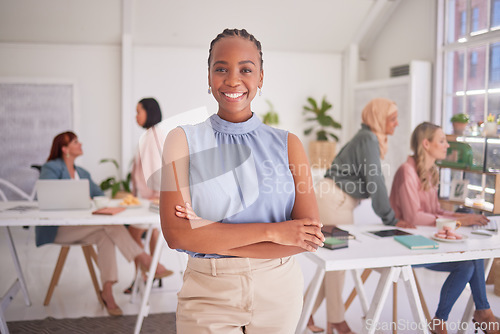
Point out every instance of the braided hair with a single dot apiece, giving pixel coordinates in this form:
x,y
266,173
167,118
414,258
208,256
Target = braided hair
x,y
428,177
233,33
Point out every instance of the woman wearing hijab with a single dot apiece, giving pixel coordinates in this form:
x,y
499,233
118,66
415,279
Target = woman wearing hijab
x,y
355,174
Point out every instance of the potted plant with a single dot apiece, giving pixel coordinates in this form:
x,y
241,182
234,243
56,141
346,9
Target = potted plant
x,y
459,122
490,127
322,150
271,117
119,188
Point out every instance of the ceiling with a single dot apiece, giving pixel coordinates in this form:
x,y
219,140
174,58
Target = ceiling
x,y
293,25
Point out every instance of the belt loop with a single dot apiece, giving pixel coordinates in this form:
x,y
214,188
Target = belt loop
x,y
281,260
214,270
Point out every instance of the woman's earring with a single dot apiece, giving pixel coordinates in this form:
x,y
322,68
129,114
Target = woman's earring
x,y
209,90
67,155
260,91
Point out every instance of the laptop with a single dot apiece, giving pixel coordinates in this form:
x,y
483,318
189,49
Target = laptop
x,y
63,194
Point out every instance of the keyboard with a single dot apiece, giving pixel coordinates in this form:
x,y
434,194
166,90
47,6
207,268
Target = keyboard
x,y
492,226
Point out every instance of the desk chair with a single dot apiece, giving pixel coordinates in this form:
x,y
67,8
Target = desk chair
x,y
6,184
90,255
364,276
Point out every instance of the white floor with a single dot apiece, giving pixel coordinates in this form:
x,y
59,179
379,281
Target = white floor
x,y
74,296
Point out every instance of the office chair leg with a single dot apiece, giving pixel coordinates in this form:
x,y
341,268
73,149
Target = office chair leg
x,y
364,276
92,253
57,273
87,252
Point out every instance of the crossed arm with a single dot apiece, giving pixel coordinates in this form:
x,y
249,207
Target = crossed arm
x,y
255,239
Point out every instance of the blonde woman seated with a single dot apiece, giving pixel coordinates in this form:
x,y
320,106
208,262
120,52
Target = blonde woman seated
x,y
414,198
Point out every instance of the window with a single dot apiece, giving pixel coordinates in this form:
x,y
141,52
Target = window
x,y
463,23
460,65
473,64
495,14
475,19
495,65
471,59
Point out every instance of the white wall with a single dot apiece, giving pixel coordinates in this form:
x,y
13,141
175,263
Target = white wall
x,y
410,34
95,70
177,76
178,79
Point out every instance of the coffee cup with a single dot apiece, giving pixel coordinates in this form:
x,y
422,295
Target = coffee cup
x,y
447,223
100,201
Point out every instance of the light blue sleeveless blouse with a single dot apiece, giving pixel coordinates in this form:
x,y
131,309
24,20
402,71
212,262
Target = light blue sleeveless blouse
x,y
239,172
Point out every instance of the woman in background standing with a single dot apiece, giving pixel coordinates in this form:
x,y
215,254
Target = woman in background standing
x,y
148,114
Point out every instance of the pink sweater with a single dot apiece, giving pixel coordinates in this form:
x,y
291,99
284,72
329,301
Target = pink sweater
x,y
409,202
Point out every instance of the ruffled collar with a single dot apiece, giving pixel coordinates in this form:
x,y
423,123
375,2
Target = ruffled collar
x,y
220,125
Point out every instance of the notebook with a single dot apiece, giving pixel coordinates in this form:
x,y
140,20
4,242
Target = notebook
x,y
334,243
108,211
63,194
416,242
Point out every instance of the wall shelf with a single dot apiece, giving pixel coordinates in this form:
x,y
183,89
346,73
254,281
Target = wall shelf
x,y
480,167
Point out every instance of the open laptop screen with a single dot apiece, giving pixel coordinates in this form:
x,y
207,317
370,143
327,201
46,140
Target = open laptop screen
x,y
63,194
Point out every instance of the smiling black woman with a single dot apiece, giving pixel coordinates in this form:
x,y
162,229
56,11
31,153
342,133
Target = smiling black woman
x,y
223,203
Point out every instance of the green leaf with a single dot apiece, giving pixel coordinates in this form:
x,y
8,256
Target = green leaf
x,y
271,107
321,135
126,183
324,120
114,189
334,136
112,161
313,103
460,118
325,105
106,184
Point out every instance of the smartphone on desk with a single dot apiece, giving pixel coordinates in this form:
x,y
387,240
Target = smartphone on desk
x,y
334,231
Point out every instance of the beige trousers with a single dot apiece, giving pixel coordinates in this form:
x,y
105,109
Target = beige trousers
x,y
105,237
240,295
335,208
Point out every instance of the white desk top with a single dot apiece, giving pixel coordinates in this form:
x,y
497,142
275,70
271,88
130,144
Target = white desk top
x,y
35,217
367,251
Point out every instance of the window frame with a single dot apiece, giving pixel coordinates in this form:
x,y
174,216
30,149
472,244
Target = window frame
x,y
465,45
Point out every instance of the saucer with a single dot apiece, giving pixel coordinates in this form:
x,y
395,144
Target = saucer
x,y
464,237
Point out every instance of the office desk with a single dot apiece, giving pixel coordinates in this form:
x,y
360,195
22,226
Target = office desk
x,y
35,217
394,261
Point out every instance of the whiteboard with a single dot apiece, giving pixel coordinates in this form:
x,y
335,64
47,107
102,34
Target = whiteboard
x,y
31,114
